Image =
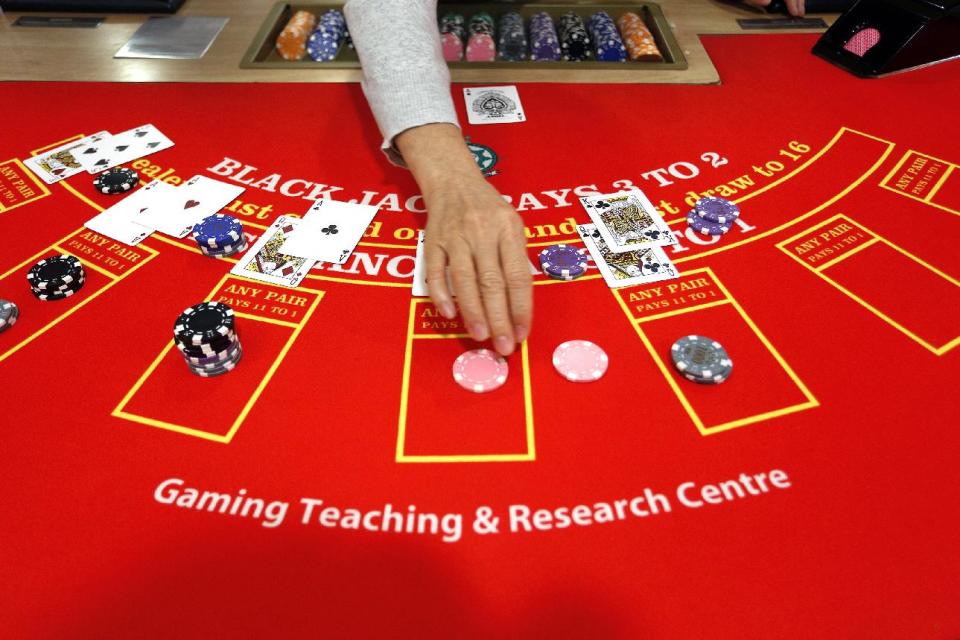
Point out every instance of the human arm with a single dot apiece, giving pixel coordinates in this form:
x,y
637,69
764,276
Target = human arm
x,y
470,228
473,230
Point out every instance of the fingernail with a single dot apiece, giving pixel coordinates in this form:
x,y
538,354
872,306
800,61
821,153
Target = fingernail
x,y
521,332
479,332
447,310
504,345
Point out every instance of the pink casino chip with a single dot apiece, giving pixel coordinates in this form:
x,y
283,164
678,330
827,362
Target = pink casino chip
x,y
480,370
452,47
580,361
481,48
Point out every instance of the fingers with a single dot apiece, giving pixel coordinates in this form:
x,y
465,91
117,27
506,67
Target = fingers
x,y
516,270
796,8
435,261
476,250
493,290
464,278
757,3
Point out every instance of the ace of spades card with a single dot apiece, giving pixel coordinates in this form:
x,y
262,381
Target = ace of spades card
x,y
627,221
492,105
639,266
124,147
265,263
61,162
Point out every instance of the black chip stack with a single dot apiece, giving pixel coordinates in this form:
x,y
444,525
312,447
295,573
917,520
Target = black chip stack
x,y
206,336
56,277
116,180
574,39
512,45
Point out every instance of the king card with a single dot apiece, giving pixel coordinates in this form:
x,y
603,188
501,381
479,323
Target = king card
x,y
627,221
62,162
265,262
623,269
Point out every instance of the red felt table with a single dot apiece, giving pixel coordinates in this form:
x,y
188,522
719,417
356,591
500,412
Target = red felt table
x,y
836,295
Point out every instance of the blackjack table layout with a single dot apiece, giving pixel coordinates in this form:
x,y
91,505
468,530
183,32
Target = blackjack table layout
x,y
338,482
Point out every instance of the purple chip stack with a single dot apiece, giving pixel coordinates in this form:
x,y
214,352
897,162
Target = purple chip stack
x,y
544,43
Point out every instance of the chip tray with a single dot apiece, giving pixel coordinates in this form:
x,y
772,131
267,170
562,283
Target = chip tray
x,y
262,53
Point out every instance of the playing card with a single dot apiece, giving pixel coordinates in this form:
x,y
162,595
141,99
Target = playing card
x,y
420,289
122,221
419,272
491,105
266,263
627,221
330,231
639,266
115,150
182,207
61,162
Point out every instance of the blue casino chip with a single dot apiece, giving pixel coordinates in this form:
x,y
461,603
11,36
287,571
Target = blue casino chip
x,y
218,231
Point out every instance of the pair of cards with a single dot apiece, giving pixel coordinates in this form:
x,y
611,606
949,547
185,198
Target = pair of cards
x,y
162,207
626,268
330,231
627,220
627,238
285,253
98,152
493,105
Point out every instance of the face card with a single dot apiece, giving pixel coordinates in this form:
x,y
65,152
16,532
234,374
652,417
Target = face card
x,y
493,105
184,206
639,266
61,162
330,231
123,147
122,221
627,221
265,262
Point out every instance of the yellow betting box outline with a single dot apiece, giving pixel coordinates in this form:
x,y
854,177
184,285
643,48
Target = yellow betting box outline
x,y
82,301
44,191
401,455
877,238
789,223
928,199
706,430
120,412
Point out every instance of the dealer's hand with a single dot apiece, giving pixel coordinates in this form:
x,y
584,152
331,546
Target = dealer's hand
x,y
796,8
474,231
